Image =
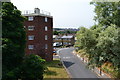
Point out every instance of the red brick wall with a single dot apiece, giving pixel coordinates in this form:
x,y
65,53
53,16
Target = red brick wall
x,y
39,40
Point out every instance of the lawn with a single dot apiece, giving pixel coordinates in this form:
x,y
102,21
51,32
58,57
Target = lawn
x,y
55,69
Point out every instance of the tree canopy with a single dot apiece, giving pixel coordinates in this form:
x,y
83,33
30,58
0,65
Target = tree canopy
x,y
13,37
107,13
101,41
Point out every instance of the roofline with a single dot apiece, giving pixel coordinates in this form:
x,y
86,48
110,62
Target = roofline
x,y
37,15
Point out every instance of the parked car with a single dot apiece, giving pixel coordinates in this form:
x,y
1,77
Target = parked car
x,y
56,44
54,52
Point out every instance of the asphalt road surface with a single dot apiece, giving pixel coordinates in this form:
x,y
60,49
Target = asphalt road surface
x,y
75,67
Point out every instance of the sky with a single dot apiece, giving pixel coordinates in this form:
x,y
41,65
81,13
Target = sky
x,y
66,13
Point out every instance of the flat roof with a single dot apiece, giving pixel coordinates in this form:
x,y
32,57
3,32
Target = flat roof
x,y
69,36
34,14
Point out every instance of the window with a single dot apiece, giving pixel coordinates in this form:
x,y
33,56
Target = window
x,y
46,19
30,18
30,28
46,28
46,37
31,37
30,46
46,46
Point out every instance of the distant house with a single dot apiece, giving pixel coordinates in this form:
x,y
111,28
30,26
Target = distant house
x,y
68,40
65,40
57,41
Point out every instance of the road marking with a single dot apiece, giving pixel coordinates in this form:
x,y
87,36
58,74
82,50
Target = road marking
x,y
66,57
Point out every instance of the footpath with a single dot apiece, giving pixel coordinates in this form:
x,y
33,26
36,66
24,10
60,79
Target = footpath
x,y
96,70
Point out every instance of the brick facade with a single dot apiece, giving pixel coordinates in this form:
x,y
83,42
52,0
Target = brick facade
x,y
39,34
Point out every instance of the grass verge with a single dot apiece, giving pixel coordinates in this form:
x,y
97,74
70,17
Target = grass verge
x,y
55,69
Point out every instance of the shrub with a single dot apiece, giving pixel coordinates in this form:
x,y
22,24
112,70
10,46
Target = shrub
x,y
32,67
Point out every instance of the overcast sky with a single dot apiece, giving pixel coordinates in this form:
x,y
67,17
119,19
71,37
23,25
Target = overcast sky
x,y
66,13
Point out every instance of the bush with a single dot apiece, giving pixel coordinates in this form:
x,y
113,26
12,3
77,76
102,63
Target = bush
x,y
32,67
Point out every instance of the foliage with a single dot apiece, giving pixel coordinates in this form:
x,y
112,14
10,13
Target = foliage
x,y
108,45
107,13
101,45
56,32
101,41
108,67
32,68
13,38
63,32
86,39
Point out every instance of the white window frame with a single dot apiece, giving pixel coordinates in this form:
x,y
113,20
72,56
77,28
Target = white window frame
x,y
31,37
46,46
30,47
46,19
30,18
46,28
31,28
46,37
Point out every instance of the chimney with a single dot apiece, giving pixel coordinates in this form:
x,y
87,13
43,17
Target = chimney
x,y
37,10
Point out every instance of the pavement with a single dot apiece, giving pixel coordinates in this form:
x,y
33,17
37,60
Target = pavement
x,y
75,67
96,70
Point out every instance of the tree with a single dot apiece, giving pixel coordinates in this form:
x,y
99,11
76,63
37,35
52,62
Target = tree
x,y
86,39
13,38
108,46
68,32
102,40
55,32
102,46
107,13
32,68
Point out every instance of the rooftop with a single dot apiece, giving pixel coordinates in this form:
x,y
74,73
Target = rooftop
x,y
57,36
36,12
54,36
68,36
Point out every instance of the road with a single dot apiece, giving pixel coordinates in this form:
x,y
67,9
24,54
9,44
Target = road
x,y
75,67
